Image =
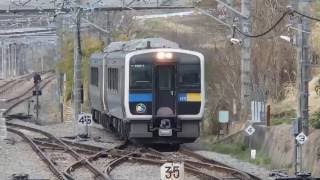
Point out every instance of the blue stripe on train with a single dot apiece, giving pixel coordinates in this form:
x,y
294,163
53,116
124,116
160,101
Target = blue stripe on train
x,y
147,97
140,97
182,97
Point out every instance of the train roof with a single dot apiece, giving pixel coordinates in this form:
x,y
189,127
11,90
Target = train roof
x,y
137,44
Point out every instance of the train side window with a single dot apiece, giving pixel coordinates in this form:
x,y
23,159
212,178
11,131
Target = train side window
x,y
113,79
94,76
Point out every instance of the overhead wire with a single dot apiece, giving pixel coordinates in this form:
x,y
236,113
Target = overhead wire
x,y
304,15
277,23
267,31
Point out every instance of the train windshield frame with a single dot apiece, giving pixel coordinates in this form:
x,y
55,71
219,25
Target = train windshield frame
x,y
141,76
189,76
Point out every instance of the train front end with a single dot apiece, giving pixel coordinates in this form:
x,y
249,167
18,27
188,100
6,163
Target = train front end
x,y
164,95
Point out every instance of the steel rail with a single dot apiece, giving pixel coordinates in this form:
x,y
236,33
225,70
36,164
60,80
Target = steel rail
x,y
211,162
46,81
54,146
24,99
34,146
8,85
72,152
123,155
13,82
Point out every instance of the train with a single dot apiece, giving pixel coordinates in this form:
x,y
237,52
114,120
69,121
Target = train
x,y
148,90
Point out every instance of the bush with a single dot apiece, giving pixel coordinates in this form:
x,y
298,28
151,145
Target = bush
x,y
315,120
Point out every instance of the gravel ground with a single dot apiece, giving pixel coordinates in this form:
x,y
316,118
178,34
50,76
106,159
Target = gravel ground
x,y
261,172
49,105
129,171
19,158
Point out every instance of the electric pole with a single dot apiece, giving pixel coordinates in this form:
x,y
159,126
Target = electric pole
x,y
245,59
304,65
77,71
108,28
303,61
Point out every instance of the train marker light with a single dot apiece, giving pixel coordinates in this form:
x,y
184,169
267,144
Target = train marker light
x,y
160,55
169,55
164,55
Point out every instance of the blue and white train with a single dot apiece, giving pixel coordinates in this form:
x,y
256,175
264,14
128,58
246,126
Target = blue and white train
x,y
148,90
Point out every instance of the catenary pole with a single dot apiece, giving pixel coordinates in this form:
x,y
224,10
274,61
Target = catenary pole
x,y
77,72
303,60
245,59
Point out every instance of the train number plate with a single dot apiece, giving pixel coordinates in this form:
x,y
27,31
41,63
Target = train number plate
x,y
172,171
165,132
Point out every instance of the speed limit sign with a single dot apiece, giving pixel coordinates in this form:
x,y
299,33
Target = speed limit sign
x,y
172,171
85,119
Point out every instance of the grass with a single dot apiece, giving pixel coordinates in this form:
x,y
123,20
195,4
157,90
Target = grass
x,y
283,120
242,152
284,117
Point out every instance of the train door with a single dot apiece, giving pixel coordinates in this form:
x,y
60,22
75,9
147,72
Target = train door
x,y
165,90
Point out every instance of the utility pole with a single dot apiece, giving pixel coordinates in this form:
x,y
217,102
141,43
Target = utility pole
x,y
108,28
303,61
245,59
77,72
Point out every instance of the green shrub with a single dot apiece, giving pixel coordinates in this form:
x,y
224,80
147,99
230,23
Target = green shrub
x,y
242,152
315,120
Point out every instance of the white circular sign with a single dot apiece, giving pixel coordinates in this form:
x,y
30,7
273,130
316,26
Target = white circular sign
x,y
250,130
301,138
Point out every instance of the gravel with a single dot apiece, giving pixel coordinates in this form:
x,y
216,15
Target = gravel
x,y
20,158
129,171
261,172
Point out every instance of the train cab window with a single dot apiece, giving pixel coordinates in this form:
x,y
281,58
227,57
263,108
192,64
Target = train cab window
x,y
141,76
94,78
189,75
113,78
165,79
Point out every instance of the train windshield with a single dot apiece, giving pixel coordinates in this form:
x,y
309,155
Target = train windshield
x,y
189,75
141,76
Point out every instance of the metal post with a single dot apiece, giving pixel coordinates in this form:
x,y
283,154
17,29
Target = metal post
x,y
304,7
15,60
2,60
5,61
37,103
302,77
77,72
61,81
108,28
9,60
41,63
245,59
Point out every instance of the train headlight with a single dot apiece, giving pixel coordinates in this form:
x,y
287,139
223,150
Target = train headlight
x,y
161,55
168,55
164,55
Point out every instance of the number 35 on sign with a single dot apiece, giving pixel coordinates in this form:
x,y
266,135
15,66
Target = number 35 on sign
x,y
172,171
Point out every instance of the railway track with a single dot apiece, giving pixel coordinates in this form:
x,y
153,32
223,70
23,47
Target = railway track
x,y
68,159
10,102
56,158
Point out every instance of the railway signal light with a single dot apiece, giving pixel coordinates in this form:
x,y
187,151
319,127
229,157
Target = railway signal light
x,y
36,78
